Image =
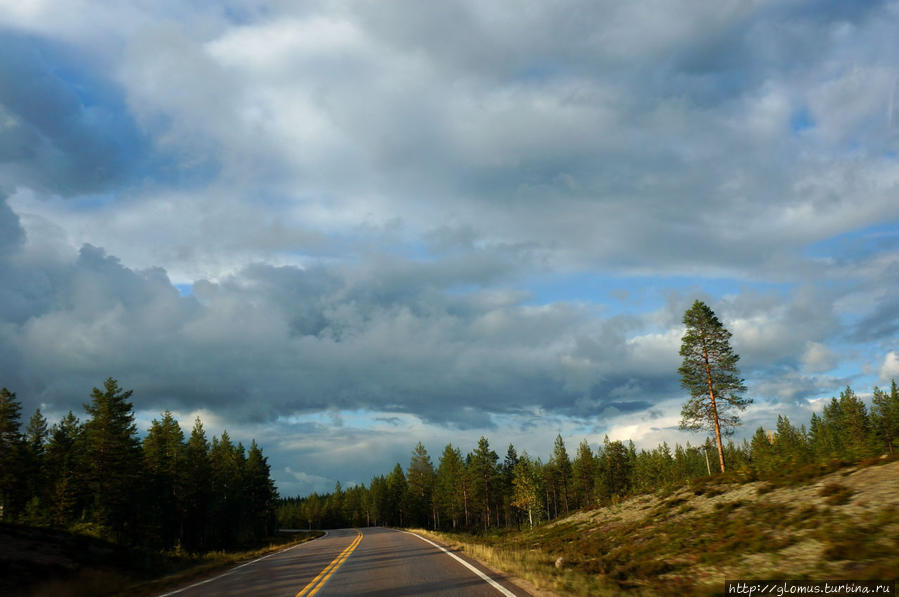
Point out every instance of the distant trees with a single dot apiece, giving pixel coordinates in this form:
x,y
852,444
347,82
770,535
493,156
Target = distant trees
x,y
164,491
709,372
99,477
474,491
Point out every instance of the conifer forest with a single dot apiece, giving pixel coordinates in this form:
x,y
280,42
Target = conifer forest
x,y
96,476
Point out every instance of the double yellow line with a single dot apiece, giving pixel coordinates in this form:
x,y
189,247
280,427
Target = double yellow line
x,y
323,576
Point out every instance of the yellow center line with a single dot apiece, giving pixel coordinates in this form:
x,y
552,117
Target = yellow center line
x,y
323,576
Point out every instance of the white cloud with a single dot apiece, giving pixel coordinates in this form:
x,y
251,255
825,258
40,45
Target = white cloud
x,y
818,358
890,368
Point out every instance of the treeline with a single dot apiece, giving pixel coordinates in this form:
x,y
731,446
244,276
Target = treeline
x,y
479,490
98,477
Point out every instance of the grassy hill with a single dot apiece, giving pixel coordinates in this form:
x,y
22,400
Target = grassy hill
x,y
842,525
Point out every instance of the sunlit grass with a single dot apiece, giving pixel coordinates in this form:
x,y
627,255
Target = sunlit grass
x,y
687,540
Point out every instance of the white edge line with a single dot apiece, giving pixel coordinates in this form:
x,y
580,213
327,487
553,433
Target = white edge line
x,y
483,576
203,582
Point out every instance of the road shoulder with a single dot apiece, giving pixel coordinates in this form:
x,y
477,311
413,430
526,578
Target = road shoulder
x,y
497,574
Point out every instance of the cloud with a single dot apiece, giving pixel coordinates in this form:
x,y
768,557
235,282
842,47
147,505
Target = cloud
x,y
890,368
359,203
818,358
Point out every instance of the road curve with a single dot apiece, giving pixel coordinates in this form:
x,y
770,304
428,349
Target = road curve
x,y
375,562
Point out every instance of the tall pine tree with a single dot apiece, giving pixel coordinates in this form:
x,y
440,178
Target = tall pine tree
x,y
709,372
113,457
164,456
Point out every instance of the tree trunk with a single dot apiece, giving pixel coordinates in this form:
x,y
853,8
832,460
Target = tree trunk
x,y
465,504
708,373
486,501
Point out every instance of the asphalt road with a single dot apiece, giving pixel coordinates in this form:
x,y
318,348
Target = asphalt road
x,y
372,562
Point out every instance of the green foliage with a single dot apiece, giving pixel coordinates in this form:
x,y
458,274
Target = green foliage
x,y
614,470
164,458
709,365
485,478
709,372
584,473
396,506
885,416
12,446
561,471
526,489
421,479
113,460
452,487
160,493
64,467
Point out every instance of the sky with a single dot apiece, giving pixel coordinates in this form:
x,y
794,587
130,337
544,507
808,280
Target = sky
x,y
342,228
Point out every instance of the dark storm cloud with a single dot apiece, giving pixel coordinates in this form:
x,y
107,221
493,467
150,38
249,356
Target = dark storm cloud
x,y
271,341
354,196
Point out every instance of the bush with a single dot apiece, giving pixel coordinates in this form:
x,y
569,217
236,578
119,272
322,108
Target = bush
x,y
836,494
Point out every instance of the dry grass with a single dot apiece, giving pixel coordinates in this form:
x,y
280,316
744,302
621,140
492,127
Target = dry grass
x,y
844,524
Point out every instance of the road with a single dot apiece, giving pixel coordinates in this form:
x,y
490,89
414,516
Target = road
x,y
374,562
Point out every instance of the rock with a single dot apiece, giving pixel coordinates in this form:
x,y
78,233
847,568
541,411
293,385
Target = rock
x,y
560,561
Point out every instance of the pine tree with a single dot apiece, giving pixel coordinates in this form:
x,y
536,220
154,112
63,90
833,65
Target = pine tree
x,y
507,475
484,472
614,469
709,372
562,468
584,474
790,444
226,517
113,458
164,457
397,488
420,478
11,456
856,426
261,495
35,469
763,454
377,505
450,485
197,489
65,468
885,415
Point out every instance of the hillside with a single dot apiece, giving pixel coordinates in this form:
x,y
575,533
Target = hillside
x,y
843,525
